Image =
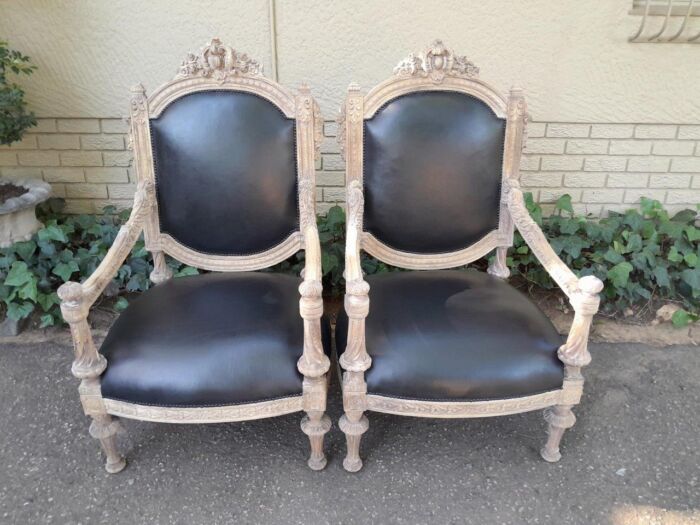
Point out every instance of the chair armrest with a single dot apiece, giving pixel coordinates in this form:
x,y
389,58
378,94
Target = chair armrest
x,y
127,236
355,357
77,298
313,363
582,293
536,240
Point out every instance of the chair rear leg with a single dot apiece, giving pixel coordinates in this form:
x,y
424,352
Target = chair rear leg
x,y
559,418
105,428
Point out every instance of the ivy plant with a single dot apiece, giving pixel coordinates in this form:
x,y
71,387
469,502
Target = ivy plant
x,y
69,247
14,117
645,257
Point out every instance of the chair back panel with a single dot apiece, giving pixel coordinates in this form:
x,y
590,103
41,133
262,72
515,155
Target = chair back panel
x,y
432,171
226,172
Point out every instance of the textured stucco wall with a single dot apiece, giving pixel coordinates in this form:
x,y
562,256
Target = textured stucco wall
x,y
572,57
90,52
612,121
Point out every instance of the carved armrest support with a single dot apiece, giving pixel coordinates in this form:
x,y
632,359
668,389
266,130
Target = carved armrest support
x,y
355,358
76,298
313,362
585,301
582,293
536,240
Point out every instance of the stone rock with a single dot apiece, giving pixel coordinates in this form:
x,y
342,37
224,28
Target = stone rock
x,y
665,313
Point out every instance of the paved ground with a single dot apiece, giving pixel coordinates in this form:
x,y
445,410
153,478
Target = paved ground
x,y
634,451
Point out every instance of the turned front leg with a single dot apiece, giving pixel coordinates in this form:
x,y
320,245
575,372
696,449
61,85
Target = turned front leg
x,y
87,366
353,423
574,354
559,418
105,429
314,365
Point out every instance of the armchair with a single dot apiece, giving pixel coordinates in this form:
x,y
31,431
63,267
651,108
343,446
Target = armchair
x,y
433,156
226,182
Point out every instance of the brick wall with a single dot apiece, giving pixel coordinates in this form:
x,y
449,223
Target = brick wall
x,y
602,166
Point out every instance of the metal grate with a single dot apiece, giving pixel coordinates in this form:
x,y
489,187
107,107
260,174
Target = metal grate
x,y
667,21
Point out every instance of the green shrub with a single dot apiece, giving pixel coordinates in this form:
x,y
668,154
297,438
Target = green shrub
x,y
69,247
644,257
14,117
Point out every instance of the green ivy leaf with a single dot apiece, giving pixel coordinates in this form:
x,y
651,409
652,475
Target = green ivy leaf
x,y
564,204
52,233
19,274
47,320
681,318
121,304
661,276
693,233
28,290
65,269
17,311
674,256
613,257
25,249
619,274
692,278
691,260
187,270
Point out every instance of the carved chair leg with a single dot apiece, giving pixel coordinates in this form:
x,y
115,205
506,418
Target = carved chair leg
x,y
559,418
105,429
315,425
353,424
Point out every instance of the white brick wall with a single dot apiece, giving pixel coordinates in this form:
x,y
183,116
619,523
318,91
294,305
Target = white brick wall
x,y
603,166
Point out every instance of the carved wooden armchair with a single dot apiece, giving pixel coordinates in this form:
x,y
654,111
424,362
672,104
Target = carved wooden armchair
x,y
433,157
225,163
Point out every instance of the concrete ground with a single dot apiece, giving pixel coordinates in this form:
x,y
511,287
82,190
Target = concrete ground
x,y
633,457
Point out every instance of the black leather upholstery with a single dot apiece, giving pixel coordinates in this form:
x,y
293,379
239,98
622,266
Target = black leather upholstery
x,y
225,165
455,335
207,340
432,172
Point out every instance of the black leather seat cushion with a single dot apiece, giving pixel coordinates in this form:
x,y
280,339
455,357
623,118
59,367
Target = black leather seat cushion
x,y
432,171
455,335
207,340
226,172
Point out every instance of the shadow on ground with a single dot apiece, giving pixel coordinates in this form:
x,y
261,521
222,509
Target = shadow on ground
x,y
635,447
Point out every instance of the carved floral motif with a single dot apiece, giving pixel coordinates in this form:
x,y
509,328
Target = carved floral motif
x,y
436,63
218,61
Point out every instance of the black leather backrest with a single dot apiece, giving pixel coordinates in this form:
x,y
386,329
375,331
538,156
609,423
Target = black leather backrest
x,y
432,171
226,173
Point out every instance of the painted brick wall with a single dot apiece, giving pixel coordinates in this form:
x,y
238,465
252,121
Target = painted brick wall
x,y
602,166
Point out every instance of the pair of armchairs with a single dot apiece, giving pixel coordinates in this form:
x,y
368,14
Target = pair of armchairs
x,y
226,182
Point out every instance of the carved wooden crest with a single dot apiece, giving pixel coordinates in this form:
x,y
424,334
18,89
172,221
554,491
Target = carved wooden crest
x,y
436,63
218,61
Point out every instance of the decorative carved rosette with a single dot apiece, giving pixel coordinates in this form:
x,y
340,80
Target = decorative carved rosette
x,y
436,63
218,61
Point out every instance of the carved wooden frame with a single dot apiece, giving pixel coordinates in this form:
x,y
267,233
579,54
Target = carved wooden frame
x,y
216,67
439,69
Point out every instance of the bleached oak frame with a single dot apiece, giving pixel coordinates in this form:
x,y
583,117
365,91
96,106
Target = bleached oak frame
x,y
216,67
439,69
